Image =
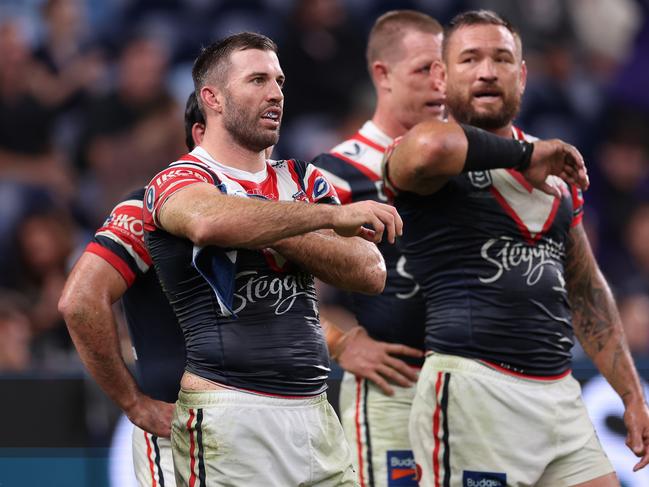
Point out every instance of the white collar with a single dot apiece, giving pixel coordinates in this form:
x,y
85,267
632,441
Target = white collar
x,y
255,177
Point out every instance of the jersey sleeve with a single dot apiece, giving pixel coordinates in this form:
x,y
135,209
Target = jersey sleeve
x,y
167,183
577,205
120,239
317,187
335,171
389,187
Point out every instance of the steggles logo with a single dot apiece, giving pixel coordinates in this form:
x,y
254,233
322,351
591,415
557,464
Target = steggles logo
x,y
512,254
284,290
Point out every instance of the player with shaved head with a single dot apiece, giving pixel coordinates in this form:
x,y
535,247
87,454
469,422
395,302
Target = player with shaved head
x,y
383,353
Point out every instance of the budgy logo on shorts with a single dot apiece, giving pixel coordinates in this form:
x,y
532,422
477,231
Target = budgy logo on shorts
x,y
484,479
402,470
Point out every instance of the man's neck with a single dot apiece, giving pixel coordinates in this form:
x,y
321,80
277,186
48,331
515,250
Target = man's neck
x,y
225,150
505,131
384,119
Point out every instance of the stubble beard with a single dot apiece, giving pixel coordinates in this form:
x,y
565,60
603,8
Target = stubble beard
x,y
244,128
460,107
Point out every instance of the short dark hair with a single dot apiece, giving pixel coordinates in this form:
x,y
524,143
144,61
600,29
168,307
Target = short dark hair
x,y
214,59
193,114
478,17
389,29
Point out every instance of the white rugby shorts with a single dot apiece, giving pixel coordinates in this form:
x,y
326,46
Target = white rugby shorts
x,y
152,460
235,438
376,427
475,426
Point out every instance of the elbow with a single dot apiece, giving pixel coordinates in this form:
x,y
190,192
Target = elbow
x,y
376,284
66,305
203,232
70,308
376,275
427,157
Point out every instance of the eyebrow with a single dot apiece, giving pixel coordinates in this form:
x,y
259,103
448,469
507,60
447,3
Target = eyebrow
x,y
476,50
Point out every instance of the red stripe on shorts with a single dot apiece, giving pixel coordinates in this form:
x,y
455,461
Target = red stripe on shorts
x,y
149,450
192,448
359,442
438,386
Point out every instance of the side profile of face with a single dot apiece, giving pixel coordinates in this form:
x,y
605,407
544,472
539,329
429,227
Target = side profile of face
x,y
253,99
415,80
485,76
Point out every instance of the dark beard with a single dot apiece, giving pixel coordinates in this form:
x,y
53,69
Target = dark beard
x,y
244,130
463,112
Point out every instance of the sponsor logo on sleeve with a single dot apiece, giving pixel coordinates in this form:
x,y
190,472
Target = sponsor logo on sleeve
x,y
320,188
150,198
483,479
402,469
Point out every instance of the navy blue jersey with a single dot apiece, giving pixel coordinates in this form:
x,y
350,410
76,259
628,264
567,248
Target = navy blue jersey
x,y
489,252
354,168
249,317
156,337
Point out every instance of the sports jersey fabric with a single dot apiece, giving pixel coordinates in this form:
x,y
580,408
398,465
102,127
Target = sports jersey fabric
x,y
489,252
155,334
264,334
354,168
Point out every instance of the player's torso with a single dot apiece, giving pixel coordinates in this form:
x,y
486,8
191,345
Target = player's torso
x,y
354,168
267,336
489,252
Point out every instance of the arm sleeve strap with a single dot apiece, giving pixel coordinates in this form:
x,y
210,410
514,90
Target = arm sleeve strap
x,y
488,151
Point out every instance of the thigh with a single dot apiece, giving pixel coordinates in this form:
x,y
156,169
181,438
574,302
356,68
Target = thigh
x,y
580,458
330,454
152,460
376,427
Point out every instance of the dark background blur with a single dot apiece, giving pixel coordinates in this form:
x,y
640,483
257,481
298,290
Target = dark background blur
x,y
91,98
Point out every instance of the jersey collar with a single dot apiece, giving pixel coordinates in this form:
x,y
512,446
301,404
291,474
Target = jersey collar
x,y
256,177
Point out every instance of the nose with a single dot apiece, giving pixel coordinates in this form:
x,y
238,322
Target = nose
x,y
487,70
275,93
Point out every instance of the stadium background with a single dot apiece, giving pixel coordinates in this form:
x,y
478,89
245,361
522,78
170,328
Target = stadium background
x,y
91,97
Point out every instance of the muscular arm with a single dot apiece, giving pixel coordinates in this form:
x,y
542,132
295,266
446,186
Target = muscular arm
x,y
347,263
434,151
204,215
86,305
429,154
597,324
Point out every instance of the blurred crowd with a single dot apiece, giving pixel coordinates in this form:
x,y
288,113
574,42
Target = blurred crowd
x,y
91,97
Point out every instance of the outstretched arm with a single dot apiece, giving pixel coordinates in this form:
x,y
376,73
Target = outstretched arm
x,y
434,151
86,305
597,324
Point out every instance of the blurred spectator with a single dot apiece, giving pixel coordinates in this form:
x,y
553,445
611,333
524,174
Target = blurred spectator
x,y
29,164
131,132
27,118
322,55
559,101
15,333
620,182
68,66
634,311
46,241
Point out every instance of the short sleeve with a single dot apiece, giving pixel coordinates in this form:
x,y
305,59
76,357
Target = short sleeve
x,y
120,239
